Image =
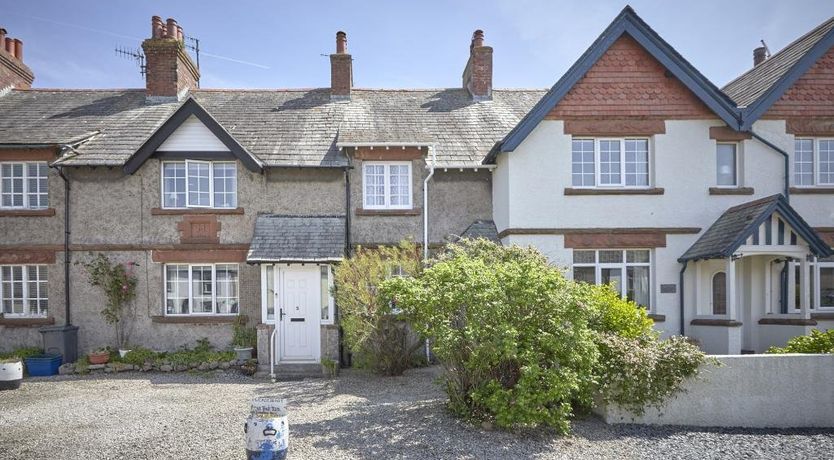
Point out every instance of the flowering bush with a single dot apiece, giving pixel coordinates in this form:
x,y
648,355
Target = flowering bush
x,y
118,283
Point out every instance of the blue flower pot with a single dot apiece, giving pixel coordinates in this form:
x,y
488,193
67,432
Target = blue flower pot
x,y
43,365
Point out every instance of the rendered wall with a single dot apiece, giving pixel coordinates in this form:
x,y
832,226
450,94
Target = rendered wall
x,y
753,391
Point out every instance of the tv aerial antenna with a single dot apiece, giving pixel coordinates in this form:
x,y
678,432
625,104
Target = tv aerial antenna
x,y
134,55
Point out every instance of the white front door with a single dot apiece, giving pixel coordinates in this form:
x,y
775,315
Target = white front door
x,y
298,313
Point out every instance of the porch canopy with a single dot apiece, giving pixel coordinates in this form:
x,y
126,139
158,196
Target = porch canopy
x,y
766,225
297,239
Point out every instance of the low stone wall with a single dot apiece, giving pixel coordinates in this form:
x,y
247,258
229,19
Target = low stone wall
x,y
754,391
116,367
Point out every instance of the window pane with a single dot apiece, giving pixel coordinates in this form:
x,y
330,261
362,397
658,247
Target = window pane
x,y
637,256
270,292
225,185
399,185
637,162
201,289
13,284
610,257
173,185
325,293
797,287
198,184
36,181
719,294
584,275
803,162
374,185
827,286
637,288
227,289
583,163
726,164
13,185
176,289
609,162
826,161
612,276
584,257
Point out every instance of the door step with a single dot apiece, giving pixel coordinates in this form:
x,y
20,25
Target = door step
x,y
292,371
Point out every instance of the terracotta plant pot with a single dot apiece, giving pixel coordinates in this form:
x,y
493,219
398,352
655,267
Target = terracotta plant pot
x,y
98,357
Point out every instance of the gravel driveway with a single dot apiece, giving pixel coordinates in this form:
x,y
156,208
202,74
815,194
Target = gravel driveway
x,y
140,416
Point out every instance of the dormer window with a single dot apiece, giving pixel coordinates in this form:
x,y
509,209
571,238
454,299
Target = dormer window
x,y
199,184
610,162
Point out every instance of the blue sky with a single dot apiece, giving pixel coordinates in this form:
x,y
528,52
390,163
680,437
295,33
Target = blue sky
x,y
415,44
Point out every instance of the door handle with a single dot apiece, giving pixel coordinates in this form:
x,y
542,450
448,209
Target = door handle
x,y
281,314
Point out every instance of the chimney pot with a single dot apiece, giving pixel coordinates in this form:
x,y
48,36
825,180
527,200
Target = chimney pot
x,y
171,29
478,38
180,34
18,49
759,55
9,46
341,42
2,36
156,27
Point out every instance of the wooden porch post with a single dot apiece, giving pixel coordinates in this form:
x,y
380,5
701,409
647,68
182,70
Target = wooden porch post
x,y
805,286
731,289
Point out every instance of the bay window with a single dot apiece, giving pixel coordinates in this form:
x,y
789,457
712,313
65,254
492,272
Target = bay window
x,y
813,162
628,271
201,289
610,162
23,290
23,185
386,185
199,184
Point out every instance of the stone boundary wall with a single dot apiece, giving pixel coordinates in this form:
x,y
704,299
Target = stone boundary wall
x,y
753,391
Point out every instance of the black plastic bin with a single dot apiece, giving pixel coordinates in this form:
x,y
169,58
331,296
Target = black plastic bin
x,y
61,340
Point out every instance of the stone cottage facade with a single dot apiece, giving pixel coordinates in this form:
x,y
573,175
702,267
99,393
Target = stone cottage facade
x,y
710,207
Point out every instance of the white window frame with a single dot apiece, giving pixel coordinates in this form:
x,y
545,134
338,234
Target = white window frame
x,y
815,159
737,171
598,164
387,183
191,289
623,266
26,297
211,164
331,303
816,293
26,177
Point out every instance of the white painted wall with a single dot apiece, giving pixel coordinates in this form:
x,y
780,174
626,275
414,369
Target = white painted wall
x,y
755,391
192,136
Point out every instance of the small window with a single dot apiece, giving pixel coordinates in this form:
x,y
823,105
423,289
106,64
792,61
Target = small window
x,y
387,185
826,293
803,162
327,303
24,185
199,184
719,293
202,289
826,162
813,162
726,161
629,271
610,162
23,290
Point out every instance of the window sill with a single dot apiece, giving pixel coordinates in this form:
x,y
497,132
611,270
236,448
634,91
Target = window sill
x,y
715,322
49,212
823,315
389,212
731,191
614,191
24,321
193,211
783,321
657,318
194,319
812,190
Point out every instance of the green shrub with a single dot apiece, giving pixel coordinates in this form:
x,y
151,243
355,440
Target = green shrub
x,y
817,342
635,373
375,334
21,353
612,314
242,335
203,352
138,356
510,330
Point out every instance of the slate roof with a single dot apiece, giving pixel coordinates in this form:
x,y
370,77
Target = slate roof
x,y
482,229
755,83
733,228
282,238
281,127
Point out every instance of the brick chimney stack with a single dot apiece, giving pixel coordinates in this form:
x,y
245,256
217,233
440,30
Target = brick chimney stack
x,y
759,55
170,72
13,72
477,76
341,70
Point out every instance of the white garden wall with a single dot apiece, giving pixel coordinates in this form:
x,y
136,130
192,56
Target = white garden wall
x,y
754,391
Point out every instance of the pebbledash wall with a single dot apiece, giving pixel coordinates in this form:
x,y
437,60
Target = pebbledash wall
x,y
120,215
767,397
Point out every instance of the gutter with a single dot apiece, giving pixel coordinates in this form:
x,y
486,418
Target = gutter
x,y
786,158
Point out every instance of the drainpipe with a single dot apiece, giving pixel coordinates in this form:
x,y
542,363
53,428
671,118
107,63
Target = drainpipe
x,y
64,150
786,158
347,210
426,227
680,282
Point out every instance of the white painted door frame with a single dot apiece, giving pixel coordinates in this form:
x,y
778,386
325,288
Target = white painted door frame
x,y
279,299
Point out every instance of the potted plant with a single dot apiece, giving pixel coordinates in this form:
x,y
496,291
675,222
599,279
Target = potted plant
x,y
118,282
11,373
244,338
249,367
99,356
123,351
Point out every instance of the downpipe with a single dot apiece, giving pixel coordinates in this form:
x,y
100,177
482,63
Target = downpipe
x,y
272,338
680,282
426,228
60,170
785,156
